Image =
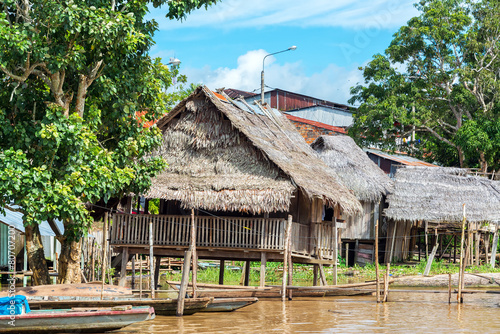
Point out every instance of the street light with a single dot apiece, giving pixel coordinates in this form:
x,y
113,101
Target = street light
x,y
293,47
174,61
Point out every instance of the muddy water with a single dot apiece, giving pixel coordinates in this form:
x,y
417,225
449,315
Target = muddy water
x,y
404,313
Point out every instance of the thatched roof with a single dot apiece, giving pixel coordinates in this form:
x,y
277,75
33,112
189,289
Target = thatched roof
x,y
355,169
438,193
227,155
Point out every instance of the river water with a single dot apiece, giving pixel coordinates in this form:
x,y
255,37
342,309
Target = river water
x,y
403,313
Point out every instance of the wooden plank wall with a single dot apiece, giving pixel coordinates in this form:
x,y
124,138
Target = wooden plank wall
x,y
402,240
362,226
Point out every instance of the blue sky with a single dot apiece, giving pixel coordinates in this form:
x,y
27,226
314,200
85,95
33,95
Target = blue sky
x,y
224,45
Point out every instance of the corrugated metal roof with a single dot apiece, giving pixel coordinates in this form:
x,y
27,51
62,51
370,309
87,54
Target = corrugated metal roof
x,y
403,159
15,219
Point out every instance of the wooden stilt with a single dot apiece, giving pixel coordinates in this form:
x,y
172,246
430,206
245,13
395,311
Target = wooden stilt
x,y
335,252
104,248
486,247
151,262
140,277
478,239
322,276
133,272
347,254
184,283
449,288
263,259
93,258
315,274
433,254
157,270
288,231
221,272
376,261
454,248
460,273
193,251
494,246
391,254
386,282
123,271
290,268
247,273
426,241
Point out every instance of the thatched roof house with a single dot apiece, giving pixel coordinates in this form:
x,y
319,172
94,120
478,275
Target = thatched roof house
x,y
356,171
436,194
225,155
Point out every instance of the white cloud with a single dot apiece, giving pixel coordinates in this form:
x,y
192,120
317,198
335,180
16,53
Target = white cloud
x,y
332,83
259,13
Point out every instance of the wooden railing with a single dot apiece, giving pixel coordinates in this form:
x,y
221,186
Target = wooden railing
x,y
223,232
216,232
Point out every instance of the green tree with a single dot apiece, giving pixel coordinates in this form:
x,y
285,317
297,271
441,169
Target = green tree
x,y
438,78
77,90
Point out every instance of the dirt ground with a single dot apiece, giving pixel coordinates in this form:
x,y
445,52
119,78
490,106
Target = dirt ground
x,y
470,280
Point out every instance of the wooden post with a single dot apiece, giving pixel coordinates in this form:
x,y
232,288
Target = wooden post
x,y
478,239
391,254
386,282
247,273
221,272
184,283
290,267
486,247
335,251
494,248
140,278
92,260
460,272
133,271
433,254
123,271
285,257
376,261
263,260
454,248
322,276
157,270
315,274
193,251
104,248
151,262
449,288
347,254
426,241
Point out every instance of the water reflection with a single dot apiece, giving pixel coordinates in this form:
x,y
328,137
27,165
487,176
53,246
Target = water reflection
x,y
404,313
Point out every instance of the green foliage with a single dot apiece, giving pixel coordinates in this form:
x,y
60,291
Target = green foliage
x,y
78,92
440,77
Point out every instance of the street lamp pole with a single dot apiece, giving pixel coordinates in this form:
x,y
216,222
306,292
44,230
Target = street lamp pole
x,y
262,73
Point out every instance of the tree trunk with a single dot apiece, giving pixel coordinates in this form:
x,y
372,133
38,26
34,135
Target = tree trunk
x,y
69,262
483,162
460,156
36,258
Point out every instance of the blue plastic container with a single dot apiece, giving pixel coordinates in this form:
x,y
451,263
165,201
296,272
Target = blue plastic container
x,y
14,305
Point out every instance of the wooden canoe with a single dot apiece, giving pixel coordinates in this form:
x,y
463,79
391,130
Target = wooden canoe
x,y
232,291
75,321
72,290
229,304
161,306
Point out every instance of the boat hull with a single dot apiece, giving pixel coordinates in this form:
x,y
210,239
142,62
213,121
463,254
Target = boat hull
x,y
68,321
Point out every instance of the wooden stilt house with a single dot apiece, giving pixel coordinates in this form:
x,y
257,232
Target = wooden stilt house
x,y
244,170
370,185
426,211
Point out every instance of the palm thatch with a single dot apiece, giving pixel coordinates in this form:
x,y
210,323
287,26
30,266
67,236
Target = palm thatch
x,y
438,193
227,155
355,169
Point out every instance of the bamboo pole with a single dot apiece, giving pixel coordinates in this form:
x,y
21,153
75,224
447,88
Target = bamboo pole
x,y
376,260
494,246
193,251
151,262
336,251
386,282
290,267
104,248
140,278
460,272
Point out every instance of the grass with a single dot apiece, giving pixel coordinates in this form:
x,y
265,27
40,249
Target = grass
x,y
303,274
